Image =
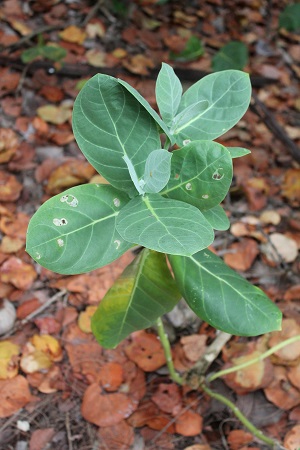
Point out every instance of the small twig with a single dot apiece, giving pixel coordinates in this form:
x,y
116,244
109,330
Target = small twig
x,y
28,37
93,11
264,355
44,306
69,434
269,120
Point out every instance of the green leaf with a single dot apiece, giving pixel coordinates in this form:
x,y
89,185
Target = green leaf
x,y
201,174
193,50
161,125
216,216
109,123
290,17
228,95
30,54
75,232
233,55
53,52
237,152
144,292
168,92
157,171
189,117
165,225
223,298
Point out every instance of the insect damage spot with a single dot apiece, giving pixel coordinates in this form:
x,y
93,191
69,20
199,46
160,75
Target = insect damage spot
x,y
60,242
205,196
69,200
117,202
186,141
117,243
217,175
60,222
37,255
188,186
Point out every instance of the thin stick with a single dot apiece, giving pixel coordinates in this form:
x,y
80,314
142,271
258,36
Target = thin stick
x,y
255,431
44,306
264,355
168,353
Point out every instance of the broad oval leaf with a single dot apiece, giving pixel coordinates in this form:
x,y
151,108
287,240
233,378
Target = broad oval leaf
x,y
237,152
164,225
216,216
160,123
109,123
74,232
168,92
228,95
144,292
157,171
222,297
188,116
201,174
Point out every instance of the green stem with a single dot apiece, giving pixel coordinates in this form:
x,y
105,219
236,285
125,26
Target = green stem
x,y
264,355
255,431
168,353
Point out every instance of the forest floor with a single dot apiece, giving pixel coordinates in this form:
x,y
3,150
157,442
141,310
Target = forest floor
x,y
58,388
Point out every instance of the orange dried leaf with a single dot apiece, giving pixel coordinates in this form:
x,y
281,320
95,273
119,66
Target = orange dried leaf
x,y
291,186
194,346
242,254
189,424
84,319
292,439
11,245
10,188
73,34
119,436
294,375
34,360
290,353
111,376
41,438
8,359
48,345
281,392
168,398
14,395
105,410
238,438
15,226
18,273
146,351
8,144
69,174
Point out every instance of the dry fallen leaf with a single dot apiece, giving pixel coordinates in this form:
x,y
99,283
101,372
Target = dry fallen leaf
x,y
119,436
146,351
10,188
242,254
168,398
18,273
40,439
14,395
73,34
9,366
55,114
111,376
8,144
290,354
96,58
291,186
238,438
194,346
84,319
69,174
292,439
188,424
105,410
280,391
280,247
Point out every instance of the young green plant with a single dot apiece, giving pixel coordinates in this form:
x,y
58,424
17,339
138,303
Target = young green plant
x,y
167,202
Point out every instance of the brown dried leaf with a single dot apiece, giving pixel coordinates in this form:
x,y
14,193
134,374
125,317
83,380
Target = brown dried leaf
x,y
289,354
69,174
119,436
111,376
292,439
14,395
55,114
238,438
10,188
84,319
242,254
168,398
73,34
146,351
8,360
189,424
18,273
41,438
291,186
105,410
194,346
280,392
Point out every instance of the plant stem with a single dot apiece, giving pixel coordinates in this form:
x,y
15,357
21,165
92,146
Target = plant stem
x,y
167,350
255,431
264,355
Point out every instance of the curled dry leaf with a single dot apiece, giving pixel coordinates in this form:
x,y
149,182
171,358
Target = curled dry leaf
x,y
251,378
8,144
280,247
71,173
292,439
189,424
18,273
15,226
256,191
40,353
138,64
290,354
96,58
14,395
291,186
168,398
56,115
11,245
146,351
280,392
242,254
27,308
9,366
119,436
270,217
73,34
111,376
294,376
238,438
84,319
105,410
194,346
49,382
10,188
41,438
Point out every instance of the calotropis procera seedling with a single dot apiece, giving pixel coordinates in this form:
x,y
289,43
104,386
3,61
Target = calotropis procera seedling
x,y
165,201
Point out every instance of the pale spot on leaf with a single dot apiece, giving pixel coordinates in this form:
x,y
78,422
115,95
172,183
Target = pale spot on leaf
x,y
188,186
60,222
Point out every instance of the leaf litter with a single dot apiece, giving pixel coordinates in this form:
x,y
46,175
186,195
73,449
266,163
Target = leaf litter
x,y
53,353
